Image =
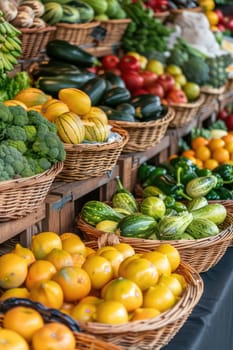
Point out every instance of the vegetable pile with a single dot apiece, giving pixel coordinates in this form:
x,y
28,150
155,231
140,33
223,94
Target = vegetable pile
x,y
29,143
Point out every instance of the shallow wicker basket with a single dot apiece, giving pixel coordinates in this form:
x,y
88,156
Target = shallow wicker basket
x,y
201,254
114,30
144,135
211,94
185,112
34,41
21,197
151,333
77,34
89,160
83,341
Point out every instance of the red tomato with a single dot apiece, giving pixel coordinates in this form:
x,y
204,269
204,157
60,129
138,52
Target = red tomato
x,y
110,61
167,81
156,89
129,62
133,80
149,78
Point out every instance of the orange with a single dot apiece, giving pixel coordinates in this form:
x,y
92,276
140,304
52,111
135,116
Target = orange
x,y
216,143
193,159
210,164
228,138
66,308
125,249
13,270
115,258
221,155
15,293
48,293
111,312
84,312
90,299
172,283
230,162
172,254
198,141
229,147
142,272
181,279
187,153
10,340
78,259
89,251
73,245
44,242
202,153
160,261
25,253
40,270
159,297
99,270
125,291
59,258
104,249
212,17
74,281
126,261
199,163
23,320
144,313
53,336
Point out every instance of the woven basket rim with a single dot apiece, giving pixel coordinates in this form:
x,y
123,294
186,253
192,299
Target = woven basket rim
x,y
36,30
211,90
99,147
116,21
225,235
190,105
161,14
78,25
193,9
167,118
27,181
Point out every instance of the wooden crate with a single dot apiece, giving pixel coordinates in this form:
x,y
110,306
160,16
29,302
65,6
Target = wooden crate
x,y
130,162
25,227
65,199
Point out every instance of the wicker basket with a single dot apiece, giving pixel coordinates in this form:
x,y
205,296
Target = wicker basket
x,y
162,16
144,135
22,196
34,41
211,94
185,112
89,160
83,341
179,11
77,34
201,254
152,333
114,30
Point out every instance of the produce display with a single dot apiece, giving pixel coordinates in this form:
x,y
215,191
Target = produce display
x,y
160,214
111,285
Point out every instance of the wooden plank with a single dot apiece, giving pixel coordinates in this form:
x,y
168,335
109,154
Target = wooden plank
x,y
11,228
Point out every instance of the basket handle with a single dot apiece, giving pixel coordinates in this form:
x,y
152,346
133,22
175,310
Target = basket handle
x,y
48,314
107,239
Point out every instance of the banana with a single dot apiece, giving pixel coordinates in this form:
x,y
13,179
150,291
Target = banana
x,y
16,53
2,28
4,48
9,28
7,66
2,38
13,44
1,66
11,59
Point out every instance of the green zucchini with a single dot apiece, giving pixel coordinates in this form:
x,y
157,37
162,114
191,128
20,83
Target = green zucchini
x,y
115,96
215,212
115,80
114,114
126,108
95,89
147,107
95,211
63,51
137,225
172,227
201,228
200,186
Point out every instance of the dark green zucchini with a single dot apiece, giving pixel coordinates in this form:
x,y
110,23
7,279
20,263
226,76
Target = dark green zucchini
x,y
147,107
115,96
126,108
95,89
114,79
56,64
114,114
137,225
62,50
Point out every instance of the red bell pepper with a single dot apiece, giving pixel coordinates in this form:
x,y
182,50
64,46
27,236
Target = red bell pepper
x,y
129,63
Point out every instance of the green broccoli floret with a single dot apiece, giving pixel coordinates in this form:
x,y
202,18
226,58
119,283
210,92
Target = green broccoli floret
x,y
35,118
18,144
196,70
34,164
31,132
5,114
20,117
44,164
15,132
40,148
42,131
27,171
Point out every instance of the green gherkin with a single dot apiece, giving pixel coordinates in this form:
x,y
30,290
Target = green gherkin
x,y
217,70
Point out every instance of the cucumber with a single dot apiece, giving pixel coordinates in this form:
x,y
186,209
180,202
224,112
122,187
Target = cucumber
x,y
200,186
95,211
137,225
214,212
202,228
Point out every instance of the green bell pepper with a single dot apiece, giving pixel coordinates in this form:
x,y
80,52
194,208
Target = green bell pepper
x,y
151,180
144,171
212,195
224,193
226,172
203,172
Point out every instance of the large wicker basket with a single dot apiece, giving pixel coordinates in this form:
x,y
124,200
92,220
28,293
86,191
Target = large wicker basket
x,y
212,94
144,135
89,160
114,30
151,333
34,41
21,197
83,341
185,112
77,34
201,254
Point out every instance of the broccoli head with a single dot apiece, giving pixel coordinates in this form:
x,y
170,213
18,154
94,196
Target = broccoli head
x,y
36,118
196,70
19,114
30,132
18,144
5,114
15,132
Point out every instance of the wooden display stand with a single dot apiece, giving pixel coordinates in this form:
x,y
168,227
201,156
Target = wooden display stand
x,y
62,200
130,162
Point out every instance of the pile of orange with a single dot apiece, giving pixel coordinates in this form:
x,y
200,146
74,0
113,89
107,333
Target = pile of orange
x,y
209,153
112,284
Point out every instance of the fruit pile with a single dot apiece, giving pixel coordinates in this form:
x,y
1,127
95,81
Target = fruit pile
x,y
111,285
